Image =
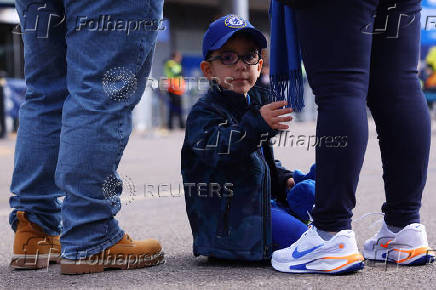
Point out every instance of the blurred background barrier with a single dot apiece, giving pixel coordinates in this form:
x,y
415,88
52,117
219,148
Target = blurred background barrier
x,y
12,95
2,113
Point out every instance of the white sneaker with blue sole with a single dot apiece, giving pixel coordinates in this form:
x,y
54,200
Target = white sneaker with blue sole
x,y
407,247
312,254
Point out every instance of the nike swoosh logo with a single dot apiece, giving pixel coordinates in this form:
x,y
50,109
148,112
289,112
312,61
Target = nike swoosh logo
x,y
386,244
296,254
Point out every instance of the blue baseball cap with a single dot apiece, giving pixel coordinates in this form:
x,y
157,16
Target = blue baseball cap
x,y
223,28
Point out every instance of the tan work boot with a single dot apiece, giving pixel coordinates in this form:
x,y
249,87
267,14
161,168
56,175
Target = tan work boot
x,y
125,255
33,249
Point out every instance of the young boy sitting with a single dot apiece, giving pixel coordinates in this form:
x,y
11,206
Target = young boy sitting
x,y
228,168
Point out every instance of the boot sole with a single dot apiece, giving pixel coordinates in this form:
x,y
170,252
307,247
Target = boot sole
x,y
33,262
78,267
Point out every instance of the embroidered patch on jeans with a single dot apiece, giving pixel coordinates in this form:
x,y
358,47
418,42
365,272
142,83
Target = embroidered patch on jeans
x,y
112,188
119,83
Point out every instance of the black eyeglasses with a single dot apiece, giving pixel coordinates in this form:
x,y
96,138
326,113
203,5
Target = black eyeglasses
x,y
231,57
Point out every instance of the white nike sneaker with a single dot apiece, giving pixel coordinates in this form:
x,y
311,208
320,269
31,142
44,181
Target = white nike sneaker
x,y
312,254
407,247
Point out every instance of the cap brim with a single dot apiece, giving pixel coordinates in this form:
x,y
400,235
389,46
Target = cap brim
x,y
257,36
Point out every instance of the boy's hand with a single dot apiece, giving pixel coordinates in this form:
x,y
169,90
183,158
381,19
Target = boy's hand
x,y
290,183
271,114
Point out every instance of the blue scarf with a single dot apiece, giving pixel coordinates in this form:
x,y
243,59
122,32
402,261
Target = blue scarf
x,y
285,58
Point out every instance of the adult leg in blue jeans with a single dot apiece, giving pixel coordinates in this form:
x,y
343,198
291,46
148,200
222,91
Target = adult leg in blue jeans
x,y
37,145
346,60
77,120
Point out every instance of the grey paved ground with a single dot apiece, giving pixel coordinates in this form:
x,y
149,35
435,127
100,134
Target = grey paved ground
x,y
152,161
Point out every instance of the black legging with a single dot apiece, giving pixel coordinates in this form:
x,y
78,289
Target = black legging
x,y
350,65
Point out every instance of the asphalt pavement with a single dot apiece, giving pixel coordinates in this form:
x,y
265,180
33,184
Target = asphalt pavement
x,y
153,206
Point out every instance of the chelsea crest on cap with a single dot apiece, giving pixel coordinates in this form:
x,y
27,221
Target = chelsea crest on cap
x,y
223,28
234,21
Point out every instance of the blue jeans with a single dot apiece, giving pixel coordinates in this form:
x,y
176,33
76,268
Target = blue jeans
x,y
353,60
83,82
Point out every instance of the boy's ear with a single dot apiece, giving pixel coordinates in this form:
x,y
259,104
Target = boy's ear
x,y
259,67
206,69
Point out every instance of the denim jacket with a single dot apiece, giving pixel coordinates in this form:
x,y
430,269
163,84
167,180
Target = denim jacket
x,y
230,176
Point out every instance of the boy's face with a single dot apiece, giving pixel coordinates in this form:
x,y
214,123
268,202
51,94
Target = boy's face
x,y
239,77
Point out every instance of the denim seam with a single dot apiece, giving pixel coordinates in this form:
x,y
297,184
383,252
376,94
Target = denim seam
x,y
139,57
119,153
141,47
33,218
120,134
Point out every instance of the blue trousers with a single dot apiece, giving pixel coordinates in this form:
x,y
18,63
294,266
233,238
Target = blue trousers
x,y
286,229
85,68
354,60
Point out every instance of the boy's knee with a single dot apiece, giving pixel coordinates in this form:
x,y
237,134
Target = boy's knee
x,y
301,199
